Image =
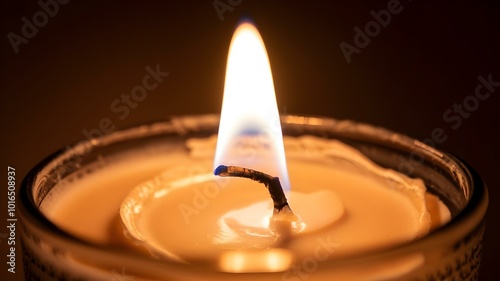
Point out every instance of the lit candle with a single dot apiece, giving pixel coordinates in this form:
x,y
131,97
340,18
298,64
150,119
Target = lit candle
x,y
189,215
240,216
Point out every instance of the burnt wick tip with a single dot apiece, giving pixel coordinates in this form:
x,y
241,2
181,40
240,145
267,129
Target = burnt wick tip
x,y
221,170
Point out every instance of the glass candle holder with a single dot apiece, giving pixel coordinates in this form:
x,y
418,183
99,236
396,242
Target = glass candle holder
x,y
451,252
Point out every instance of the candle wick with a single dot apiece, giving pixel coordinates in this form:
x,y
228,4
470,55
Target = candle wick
x,y
284,221
272,184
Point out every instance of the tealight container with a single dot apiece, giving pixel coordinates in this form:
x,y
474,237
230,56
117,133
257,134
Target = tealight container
x,y
54,252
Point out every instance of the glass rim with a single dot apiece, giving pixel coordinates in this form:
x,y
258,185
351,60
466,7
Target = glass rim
x,y
471,215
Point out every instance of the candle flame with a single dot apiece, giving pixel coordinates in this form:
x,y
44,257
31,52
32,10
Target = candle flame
x,y
250,129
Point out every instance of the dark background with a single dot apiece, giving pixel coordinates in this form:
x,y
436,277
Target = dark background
x,y
428,58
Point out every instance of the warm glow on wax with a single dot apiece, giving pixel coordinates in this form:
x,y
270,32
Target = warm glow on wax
x,y
250,118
